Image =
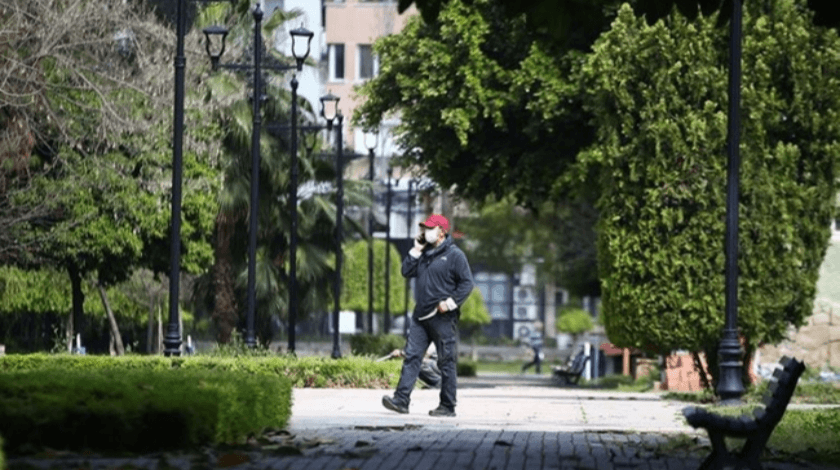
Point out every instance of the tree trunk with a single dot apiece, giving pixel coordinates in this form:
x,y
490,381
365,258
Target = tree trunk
x,y
224,308
68,332
150,330
112,321
160,332
705,380
78,301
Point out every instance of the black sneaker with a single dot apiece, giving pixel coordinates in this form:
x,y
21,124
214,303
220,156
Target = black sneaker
x,y
442,411
389,403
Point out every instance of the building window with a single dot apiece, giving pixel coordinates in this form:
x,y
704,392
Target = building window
x,y
336,62
368,63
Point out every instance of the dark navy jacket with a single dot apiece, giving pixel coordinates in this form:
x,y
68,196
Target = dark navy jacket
x,y
441,272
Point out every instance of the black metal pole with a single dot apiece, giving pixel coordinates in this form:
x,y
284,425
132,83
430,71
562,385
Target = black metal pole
x,y
293,225
370,245
387,310
731,388
250,341
408,220
172,340
339,234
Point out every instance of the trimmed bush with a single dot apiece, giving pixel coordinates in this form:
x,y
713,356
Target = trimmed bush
x,y
137,410
467,368
315,372
375,345
2,460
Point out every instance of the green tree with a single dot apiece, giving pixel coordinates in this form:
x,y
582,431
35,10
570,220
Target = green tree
x,y
568,20
474,314
658,94
573,321
88,191
499,117
558,238
354,292
465,89
229,94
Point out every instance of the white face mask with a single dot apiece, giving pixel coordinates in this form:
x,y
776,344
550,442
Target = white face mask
x,y
432,235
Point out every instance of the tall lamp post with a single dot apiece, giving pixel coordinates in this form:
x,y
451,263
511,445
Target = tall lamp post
x,y
219,34
408,223
339,227
387,312
731,387
172,340
371,140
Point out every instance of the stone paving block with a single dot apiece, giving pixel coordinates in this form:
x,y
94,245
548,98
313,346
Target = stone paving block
x,y
427,460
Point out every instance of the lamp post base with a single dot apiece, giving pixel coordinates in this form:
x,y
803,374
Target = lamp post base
x,y
730,386
172,342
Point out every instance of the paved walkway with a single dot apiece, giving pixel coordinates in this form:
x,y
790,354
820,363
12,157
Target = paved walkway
x,y
503,422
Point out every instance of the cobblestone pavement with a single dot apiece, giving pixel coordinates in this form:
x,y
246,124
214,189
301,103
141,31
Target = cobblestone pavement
x,y
514,422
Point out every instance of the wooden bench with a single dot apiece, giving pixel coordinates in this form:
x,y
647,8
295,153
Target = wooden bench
x,y
756,429
571,375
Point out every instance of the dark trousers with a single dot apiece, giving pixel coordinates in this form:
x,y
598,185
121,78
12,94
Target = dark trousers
x,y
442,329
536,362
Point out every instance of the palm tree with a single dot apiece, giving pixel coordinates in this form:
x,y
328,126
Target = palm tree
x,y
316,211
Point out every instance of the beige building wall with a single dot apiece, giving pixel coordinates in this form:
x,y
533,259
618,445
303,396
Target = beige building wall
x,y
354,23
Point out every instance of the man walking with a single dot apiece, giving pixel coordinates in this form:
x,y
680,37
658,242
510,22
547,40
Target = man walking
x,y
536,343
444,281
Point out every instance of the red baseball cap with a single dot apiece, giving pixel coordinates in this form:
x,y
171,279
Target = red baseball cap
x,y
436,220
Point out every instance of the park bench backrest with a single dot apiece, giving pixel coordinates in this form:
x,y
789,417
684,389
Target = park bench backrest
x,y
779,392
578,363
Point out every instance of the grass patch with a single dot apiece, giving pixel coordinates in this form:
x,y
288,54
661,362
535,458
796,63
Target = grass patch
x,y
620,383
822,393
136,409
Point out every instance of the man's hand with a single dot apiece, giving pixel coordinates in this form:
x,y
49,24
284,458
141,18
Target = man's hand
x,y
419,243
442,307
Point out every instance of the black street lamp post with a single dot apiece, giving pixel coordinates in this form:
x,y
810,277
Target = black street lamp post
x,y
329,111
731,388
221,32
387,310
371,139
172,340
408,221
339,231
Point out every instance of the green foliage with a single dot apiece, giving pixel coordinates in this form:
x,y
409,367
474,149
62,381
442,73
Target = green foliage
x,y
497,116
138,410
474,311
658,94
466,368
574,22
2,458
375,345
354,293
573,321
358,372
468,90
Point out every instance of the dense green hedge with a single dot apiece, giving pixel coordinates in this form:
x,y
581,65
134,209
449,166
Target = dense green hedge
x,y
2,461
137,409
376,345
303,372
467,368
